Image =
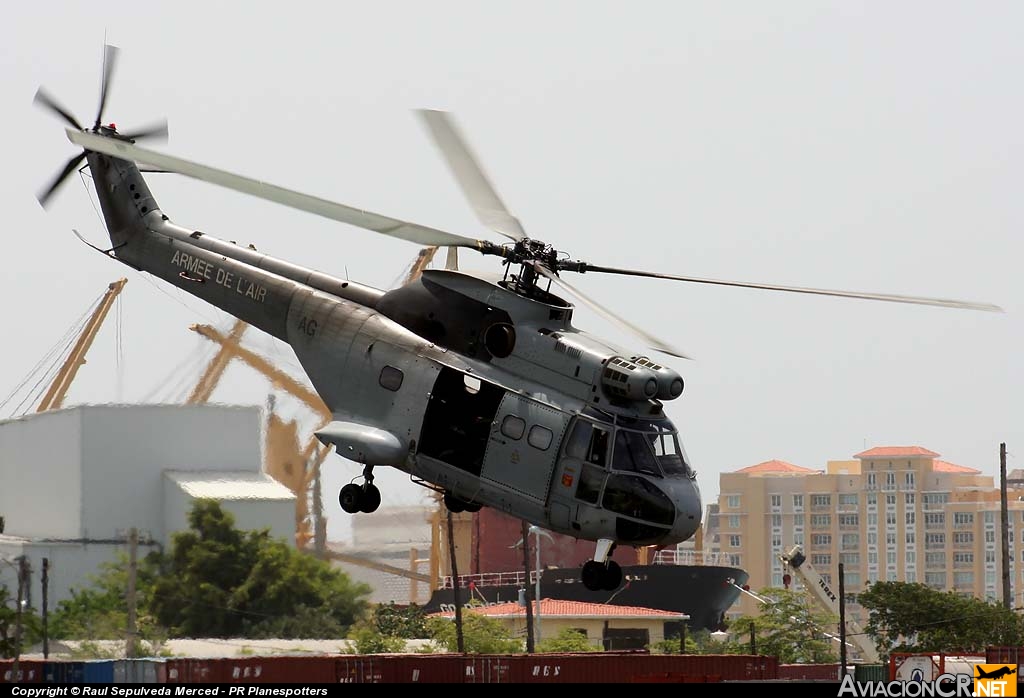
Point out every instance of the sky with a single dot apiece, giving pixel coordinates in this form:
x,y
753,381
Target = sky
x,y
859,146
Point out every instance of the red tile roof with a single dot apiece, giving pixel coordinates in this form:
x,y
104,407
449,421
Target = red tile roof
x,y
883,451
941,466
775,466
556,608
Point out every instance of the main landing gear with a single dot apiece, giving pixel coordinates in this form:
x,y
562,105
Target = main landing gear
x,y
363,498
602,573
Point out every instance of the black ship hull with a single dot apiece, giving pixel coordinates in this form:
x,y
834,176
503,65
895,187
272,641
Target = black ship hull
x,y
703,592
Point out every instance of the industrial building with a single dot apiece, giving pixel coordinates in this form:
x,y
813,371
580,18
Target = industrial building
x,y
893,513
74,481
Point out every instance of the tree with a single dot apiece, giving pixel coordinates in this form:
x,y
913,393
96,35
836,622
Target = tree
x,y
217,581
481,635
788,629
31,625
568,640
409,622
913,617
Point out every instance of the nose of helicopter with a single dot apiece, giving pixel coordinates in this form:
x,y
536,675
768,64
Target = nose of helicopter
x,y
686,496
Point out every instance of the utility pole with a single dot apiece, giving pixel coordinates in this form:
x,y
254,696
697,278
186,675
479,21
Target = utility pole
x,y
46,596
1005,521
22,576
130,635
842,623
460,641
528,591
753,639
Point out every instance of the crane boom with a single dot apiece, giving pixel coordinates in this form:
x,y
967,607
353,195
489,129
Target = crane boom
x,y
827,599
54,397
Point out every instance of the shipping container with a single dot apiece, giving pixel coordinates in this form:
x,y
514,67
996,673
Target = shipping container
x,y
29,671
137,670
63,672
810,672
98,671
871,672
279,669
191,671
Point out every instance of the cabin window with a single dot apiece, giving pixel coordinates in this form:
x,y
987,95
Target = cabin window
x,y
513,427
540,437
391,378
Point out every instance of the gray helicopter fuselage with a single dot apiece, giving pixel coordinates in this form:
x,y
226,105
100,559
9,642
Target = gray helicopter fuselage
x,y
459,381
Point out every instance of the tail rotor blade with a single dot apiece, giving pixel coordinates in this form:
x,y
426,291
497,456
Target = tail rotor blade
x,y
45,194
44,99
109,64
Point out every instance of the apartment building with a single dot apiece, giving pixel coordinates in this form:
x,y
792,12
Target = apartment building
x,y
894,513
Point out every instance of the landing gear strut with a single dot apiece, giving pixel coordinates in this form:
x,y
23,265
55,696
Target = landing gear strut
x,y
363,498
602,573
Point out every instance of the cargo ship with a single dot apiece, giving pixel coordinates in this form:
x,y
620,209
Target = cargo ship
x,y
683,581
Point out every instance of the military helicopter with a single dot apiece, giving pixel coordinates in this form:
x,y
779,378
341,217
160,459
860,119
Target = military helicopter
x,y
478,386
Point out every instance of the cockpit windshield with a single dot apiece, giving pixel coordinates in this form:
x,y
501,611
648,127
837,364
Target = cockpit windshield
x,y
647,447
651,447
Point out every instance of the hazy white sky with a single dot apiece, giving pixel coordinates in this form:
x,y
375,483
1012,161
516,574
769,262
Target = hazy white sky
x,y
866,146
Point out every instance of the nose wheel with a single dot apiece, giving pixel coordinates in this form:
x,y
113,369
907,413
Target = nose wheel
x,y
602,573
365,498
598,576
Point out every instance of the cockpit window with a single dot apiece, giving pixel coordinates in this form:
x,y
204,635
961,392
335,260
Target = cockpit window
x,y
588,442
639,499
633,453
669,453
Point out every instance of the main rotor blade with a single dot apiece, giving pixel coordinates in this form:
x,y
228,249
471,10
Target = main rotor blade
x,y
420,234
44,99
489,207
109,64
44,195
157,131
650,339
917,300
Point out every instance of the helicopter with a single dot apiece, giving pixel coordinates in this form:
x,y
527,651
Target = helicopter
x,y
478,386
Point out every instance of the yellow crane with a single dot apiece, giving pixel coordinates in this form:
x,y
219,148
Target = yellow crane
x,y
54,397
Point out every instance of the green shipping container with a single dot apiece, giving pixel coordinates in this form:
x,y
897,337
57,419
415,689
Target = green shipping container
x,y
871,672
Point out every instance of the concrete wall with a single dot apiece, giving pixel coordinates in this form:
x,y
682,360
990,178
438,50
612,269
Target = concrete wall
x,y
40,475
250,514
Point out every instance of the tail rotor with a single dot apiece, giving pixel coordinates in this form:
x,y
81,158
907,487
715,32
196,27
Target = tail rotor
x,y
45,100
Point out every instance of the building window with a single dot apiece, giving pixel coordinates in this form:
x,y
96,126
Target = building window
x,y
871,481
850,559
733,501
890,500
990,536
911,518
890,518
776,500
776,520
734,521
935,559
798,539
911,538
776,541
960,559
990,517
821,500
911,577
936,580
873,520
798,501
933,520
911,558
849,500
963,518
908,499
910,478
798,519
851,520
821,560
890,539
821,520
963,579
872,558
935,540
872,539
821,540
890,558
734,541
777,580
851,579
963,537
990,556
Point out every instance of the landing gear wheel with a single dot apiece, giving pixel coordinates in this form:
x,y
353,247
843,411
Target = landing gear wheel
x,y
472,507
350,498
369,499
612,576
592,575
454,504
